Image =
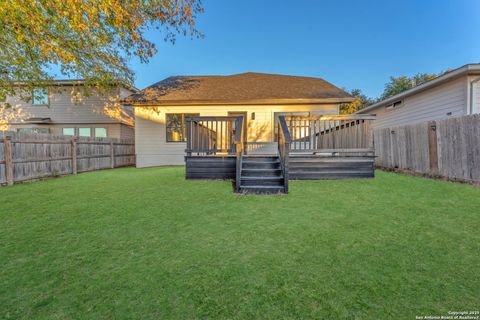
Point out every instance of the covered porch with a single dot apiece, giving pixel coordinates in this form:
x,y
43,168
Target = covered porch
x,y
305,147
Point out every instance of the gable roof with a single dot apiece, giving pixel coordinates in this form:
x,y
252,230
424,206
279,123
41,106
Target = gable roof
x,y
243,88
468,69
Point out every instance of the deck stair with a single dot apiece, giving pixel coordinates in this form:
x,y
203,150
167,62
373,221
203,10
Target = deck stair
x,y
261,174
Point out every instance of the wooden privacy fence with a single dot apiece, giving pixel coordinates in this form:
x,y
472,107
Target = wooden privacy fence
x,y
448,148
27,157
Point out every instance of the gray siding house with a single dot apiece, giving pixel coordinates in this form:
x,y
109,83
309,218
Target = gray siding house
x,y
455,93
63,109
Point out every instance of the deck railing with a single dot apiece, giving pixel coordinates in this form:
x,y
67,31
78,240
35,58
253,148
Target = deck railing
x,y
284,142
211,135
217,136
335,134
239,151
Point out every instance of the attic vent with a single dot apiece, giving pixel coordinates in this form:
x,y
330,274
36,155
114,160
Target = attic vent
x,y
396,104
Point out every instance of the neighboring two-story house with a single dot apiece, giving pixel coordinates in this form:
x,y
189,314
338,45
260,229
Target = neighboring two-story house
x,y
453,94
64,109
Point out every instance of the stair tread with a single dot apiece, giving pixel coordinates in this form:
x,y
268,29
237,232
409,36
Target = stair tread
x,y
261,178
253,161
261,187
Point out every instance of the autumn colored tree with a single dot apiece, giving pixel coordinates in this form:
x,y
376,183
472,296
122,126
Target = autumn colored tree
x,y
361,101
89,39
9,114
397,85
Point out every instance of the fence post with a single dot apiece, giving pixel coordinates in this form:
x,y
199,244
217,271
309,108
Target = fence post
x,y
7,146
432,147
74,156
112,155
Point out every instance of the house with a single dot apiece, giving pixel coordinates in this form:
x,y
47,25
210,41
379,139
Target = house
x,y
63,108
161,109
455,93
258,129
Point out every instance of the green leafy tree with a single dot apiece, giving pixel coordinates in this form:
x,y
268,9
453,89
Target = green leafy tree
x,y
361,101
397,85
89,39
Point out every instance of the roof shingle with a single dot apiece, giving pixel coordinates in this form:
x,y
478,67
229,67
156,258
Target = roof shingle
x,y
248,87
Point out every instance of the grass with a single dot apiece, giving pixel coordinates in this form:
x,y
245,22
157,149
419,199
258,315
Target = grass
x,y
146,244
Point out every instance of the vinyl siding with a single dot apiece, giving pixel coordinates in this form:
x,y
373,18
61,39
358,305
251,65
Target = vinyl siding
x,y
150,132
63,107
432,104
475,94
114,130
127,132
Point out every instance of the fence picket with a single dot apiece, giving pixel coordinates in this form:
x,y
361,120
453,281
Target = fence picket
x,y
28,157
449,148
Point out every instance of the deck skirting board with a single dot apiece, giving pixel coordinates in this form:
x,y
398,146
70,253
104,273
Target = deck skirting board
x,y
311,168
300,168
208,167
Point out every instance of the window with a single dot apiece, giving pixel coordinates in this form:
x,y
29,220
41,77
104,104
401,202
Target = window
x,y
25,130
100,132
176,126
84,132
396,104
68,131
40,97
33,130
42,130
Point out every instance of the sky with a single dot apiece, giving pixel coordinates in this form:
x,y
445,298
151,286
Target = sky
x,y
352,44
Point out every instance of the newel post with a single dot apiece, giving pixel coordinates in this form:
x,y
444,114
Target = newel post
x,y
74,155
7,146
188,123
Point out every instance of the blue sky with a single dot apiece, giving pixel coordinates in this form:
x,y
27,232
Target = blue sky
x,y
353,44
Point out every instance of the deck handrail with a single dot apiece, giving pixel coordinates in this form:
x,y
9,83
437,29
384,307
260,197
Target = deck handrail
x,y
207,135
239,143
337,134
334,117
284,140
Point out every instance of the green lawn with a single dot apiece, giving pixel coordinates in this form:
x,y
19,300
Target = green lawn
x,y
146,244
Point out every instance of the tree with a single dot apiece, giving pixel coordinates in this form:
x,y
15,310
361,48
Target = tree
x,y
9,114
397,85
361,101
89,39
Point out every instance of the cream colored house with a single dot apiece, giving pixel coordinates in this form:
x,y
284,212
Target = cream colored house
x,y
453,94
161,109
64,109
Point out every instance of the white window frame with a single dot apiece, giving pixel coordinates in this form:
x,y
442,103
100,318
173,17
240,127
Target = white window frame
x,y
45,92
68,135
95,132
90,134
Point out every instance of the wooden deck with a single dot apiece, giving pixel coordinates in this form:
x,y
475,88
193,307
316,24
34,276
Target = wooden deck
x,y
308,148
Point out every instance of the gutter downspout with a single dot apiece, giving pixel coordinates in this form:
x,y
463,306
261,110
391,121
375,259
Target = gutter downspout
x,y
472,97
